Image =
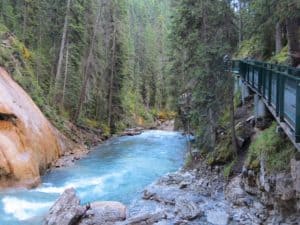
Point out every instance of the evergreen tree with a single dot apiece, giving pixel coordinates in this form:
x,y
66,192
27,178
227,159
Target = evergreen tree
x,y
202,34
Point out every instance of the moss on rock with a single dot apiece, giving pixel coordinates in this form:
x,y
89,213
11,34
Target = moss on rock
x,y
223,152
275,149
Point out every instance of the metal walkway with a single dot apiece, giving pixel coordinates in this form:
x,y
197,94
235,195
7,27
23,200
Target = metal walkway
x,y
279,88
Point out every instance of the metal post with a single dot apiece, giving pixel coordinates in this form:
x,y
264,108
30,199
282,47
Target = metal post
x,y
261,85
252,78
281,98
270,87
297,126
277,94
248,72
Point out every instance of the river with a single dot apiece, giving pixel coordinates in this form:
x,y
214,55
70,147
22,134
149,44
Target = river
x,y
116,170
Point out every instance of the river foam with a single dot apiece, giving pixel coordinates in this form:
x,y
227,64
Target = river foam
x,y
22,209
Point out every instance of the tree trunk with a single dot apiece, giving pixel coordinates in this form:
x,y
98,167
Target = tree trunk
x,y
65,76
232,120
278,37
24,28
293,40
212,129
39,44
61,52
111,82
86,74
189,146
240,23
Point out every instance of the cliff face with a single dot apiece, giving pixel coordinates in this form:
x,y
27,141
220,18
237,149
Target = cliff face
x,y
28,142
278,191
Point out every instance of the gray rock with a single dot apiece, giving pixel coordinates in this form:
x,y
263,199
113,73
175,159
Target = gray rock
x,y
217,217
66,210
263,178
284,186
104,213
145,219
295,172
235,193
171,178
184,184
162,222
164,195
187,209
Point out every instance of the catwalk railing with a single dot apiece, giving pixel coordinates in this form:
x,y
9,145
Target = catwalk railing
x,y
278,85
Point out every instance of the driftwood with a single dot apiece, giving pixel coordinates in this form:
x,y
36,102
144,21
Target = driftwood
x,y
132,131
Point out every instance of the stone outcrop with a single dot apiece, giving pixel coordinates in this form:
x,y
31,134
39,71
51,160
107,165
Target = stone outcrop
x,y
68,211
295,172
235,193
187,209
28,142
193,198
278,191
104,213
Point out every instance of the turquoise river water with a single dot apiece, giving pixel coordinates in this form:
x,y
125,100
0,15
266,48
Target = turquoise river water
x,y
117,170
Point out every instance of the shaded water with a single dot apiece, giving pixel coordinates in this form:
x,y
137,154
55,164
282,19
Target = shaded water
x,y
117,170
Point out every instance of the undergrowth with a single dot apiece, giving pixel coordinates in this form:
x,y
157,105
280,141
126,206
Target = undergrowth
x,y
228,169
276,150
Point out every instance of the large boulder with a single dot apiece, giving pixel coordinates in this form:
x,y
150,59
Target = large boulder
x,y
284,187
235,193
187,209
104,213
66,210
28,142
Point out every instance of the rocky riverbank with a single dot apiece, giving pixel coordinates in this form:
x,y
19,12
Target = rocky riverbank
x,y
199,196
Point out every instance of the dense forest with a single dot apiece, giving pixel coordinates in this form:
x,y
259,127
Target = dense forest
x,y
115,64
202,34
98,62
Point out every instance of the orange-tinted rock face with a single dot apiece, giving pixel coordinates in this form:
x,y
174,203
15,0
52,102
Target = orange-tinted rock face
x,y
28,142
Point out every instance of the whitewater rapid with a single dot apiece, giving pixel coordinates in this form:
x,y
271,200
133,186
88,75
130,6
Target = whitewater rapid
x,y
117,170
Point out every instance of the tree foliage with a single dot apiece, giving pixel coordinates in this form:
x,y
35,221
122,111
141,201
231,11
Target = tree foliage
x,y
203,32
99,60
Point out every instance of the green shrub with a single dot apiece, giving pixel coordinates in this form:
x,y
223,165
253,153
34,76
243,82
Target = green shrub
x,y
224,120
223,152
282,57
237,99
105,129
228,169
249,48
276,150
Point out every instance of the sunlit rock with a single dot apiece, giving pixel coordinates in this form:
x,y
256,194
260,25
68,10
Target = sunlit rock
x,y
28,142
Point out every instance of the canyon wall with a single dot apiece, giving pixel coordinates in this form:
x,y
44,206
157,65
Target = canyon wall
x,y
28,142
